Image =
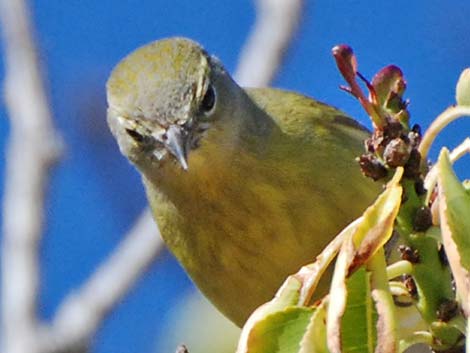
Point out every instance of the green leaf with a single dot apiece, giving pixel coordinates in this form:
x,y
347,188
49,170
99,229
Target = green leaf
x,y
314,340
358,333
454,212
286,297
280,332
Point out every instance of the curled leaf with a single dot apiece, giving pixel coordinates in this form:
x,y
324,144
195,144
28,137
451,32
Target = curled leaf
x,y
352,285
388,81
454,211
377,225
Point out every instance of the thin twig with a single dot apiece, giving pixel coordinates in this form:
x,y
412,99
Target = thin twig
x,y
276,24
80,315
33,146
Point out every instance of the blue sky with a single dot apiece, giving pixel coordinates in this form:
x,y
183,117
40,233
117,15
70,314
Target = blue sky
x,y
95,194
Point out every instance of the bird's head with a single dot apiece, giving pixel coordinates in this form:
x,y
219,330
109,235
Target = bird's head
x,y
163,97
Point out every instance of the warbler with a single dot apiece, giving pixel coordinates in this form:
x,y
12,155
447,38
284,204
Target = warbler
x,y
246,185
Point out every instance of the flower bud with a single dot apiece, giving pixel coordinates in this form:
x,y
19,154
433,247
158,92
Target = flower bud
x,y
462,91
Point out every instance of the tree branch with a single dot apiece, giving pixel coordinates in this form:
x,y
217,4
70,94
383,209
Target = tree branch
x,y
276,24
33,147
82,312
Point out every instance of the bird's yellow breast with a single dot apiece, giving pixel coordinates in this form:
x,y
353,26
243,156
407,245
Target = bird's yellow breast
x,y
247,214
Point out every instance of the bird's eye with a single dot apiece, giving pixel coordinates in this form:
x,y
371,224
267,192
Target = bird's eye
x,y
135,135
208,102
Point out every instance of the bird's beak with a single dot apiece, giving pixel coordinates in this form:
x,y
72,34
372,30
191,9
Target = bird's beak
x,y
176,144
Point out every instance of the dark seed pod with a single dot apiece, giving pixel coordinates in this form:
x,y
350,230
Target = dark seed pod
x,y
423,219
396,153
371,167
409,254
410,285
447,310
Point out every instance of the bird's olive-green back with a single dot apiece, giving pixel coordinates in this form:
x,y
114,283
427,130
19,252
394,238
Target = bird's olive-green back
x,y
252,210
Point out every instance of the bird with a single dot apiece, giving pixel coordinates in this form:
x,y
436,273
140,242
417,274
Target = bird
x,y
245,184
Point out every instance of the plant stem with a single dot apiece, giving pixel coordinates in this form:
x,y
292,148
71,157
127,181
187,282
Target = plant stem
x,y
399,268
444,119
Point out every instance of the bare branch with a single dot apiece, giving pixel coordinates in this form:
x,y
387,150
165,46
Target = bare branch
x,y
33,147
82,312
276,24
